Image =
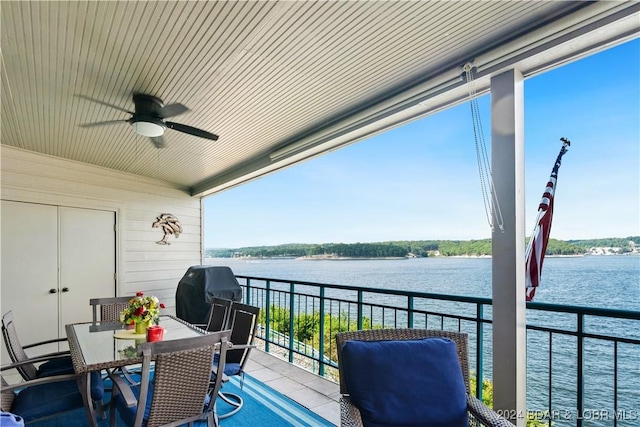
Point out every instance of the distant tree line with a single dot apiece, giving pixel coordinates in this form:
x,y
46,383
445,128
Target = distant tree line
x,y
627,244
409,248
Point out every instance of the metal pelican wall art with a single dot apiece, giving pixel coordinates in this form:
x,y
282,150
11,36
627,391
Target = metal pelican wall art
x,y
170,225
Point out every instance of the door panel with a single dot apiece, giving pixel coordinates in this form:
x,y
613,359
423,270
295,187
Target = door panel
x,y
29,270
87,261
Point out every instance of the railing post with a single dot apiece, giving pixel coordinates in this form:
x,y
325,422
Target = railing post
x,y
291,322
580,382
615,383
359,321
479,349
410,312
321,338
267,317
248,298
550,372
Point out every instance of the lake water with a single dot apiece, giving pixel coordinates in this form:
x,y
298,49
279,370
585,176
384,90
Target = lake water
x,y
591,281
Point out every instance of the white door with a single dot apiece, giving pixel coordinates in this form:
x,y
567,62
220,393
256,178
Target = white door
x,y
30,270
87,262
54,259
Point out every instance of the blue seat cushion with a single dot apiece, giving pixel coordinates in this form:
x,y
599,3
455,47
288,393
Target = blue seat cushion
x,y
63,366
230,369
46,399
59,366
128,414
406,382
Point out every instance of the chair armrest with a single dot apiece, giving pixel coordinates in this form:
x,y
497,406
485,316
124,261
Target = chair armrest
x,y
49,356
51,341
349,414
484,414
33,360
38,381
233,346
125,390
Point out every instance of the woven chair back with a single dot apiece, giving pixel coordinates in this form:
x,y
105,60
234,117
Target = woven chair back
x,y
6,397
181,377
17,354
108,308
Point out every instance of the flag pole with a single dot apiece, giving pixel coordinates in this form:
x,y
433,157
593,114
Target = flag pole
x,y
537,246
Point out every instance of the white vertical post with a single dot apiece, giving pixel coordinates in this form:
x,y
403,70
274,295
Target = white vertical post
x,y
508,246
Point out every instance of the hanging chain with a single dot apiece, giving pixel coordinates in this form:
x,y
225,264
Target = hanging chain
x,y
489,196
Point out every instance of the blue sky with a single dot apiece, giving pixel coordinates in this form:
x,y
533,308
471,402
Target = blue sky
x,y
420,181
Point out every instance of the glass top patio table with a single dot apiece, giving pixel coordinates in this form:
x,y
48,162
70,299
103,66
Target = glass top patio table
x,y
94,346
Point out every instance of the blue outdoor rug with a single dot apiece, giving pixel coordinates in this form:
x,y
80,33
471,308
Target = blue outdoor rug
x,y
263,406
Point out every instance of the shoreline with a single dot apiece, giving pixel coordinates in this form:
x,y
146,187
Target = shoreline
x,y
337,258
344,258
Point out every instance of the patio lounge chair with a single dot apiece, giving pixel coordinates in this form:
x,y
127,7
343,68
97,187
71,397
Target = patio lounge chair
x,y
386,373
179,392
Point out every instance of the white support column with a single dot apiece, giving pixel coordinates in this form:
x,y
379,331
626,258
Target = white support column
x,y
508,261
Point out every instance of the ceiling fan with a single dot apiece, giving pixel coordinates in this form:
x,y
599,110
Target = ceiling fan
x,y
147,119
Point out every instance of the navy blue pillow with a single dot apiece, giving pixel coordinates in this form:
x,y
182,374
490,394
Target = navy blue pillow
x,y
406,382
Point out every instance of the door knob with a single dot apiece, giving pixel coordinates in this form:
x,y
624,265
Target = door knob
x,y
65,289
53,291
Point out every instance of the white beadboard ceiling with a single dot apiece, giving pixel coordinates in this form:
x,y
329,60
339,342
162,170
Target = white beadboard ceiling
x,y
261,75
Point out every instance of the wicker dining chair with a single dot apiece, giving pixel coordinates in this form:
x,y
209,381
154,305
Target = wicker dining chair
x,y
57,363
40,398
178,390
44,365
108,308
478,413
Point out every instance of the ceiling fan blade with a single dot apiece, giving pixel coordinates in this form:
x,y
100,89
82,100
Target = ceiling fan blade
x,y
158,141
110,122
172,110
191,130
104,103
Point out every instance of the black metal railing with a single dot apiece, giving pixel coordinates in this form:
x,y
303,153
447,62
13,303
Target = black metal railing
x,y
583,363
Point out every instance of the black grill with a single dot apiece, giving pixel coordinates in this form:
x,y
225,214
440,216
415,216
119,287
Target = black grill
x,y
197,288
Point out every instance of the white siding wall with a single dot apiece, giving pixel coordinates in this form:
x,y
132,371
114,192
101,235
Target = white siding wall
x,y
142,265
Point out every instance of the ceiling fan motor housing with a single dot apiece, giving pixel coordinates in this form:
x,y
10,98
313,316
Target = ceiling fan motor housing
x,y
147,120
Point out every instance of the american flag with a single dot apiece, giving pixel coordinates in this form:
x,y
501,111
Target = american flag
x,y
537,247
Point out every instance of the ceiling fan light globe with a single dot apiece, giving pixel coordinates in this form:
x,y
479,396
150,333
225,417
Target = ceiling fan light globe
x,y
148,129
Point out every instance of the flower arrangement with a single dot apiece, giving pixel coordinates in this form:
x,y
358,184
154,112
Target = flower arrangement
x,y
142,309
